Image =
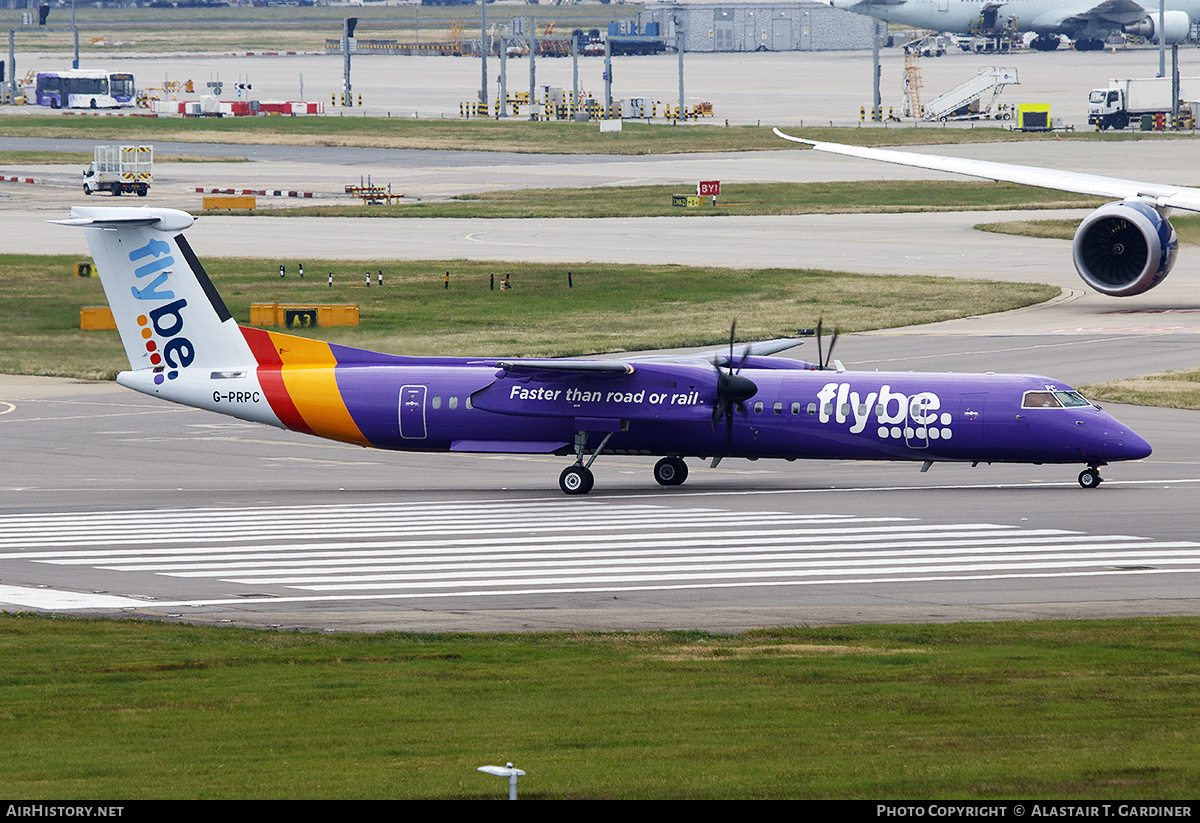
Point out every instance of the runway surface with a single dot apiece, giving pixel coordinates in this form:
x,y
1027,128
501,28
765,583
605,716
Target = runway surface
x,y
131,506
112,503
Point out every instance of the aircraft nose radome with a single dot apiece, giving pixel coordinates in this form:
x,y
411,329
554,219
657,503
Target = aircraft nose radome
x,y
1129,445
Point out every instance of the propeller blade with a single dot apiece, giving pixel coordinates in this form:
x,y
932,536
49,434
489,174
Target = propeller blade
x,y
832,341
732,388
820,357
732,333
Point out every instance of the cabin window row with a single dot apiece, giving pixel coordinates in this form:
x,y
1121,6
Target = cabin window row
x,y
451,402
811,409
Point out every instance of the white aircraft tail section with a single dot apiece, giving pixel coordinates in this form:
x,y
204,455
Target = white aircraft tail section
x,y
167,311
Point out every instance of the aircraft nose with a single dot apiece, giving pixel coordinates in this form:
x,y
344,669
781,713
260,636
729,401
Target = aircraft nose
x,y
1125,445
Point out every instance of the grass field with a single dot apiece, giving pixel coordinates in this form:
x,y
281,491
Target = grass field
x,y
741,198
608,308
1172,390
494,135
125,709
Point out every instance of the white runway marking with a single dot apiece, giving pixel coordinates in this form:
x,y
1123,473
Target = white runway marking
x,y
528,549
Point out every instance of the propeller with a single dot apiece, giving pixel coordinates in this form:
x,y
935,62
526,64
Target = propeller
x,y
732,389
823,362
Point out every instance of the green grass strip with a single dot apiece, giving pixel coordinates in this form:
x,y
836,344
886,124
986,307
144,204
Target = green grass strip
x,y
607,307
1072,709
878,196
493,135
1173,390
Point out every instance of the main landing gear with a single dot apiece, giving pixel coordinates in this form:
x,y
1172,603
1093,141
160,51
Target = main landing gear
x,y
578,479
1090,478
670,471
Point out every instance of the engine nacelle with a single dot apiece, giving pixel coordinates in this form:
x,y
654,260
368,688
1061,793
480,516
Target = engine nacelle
x,y
1125,248
1176,24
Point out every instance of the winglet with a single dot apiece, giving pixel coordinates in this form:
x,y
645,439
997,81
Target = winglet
x,y
778,133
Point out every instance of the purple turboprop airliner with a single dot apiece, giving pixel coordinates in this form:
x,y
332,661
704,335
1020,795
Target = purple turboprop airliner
x,y
183,345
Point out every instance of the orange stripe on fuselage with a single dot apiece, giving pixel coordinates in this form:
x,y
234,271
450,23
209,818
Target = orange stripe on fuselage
x,y
306,368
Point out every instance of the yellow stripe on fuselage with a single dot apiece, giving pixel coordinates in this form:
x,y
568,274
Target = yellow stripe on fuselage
x,y
308,375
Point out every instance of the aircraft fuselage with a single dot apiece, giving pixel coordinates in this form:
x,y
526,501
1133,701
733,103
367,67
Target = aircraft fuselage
x,y
666,409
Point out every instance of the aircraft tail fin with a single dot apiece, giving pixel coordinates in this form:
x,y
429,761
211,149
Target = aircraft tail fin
x,y
166,308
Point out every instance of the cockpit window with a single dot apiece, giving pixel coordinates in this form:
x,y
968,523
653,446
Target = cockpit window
x,y
1040,400
1053,400
1071,398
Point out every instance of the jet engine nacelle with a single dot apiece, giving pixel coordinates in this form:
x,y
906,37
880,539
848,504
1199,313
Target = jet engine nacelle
x,y
1176,24
1125,248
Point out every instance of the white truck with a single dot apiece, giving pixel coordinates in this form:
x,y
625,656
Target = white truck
x,y
1126,100
120,169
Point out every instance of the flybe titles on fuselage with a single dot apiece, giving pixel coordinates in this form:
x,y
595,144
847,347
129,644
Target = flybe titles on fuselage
x,y
879,412
162,325
623,398
886,413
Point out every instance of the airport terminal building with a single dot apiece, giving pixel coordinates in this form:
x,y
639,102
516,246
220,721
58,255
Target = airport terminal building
x,y
760,27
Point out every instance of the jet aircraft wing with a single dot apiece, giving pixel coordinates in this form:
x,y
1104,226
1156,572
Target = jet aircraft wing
x,y
1158,195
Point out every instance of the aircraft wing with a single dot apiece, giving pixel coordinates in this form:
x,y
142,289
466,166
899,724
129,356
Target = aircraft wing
x,y
585,367
720,357
559,368
1158,195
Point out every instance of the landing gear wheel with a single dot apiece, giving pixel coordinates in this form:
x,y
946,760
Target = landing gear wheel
x,y
670,471
1089,478
576,480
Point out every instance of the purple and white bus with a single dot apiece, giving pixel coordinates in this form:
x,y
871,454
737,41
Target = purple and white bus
x,y
84,89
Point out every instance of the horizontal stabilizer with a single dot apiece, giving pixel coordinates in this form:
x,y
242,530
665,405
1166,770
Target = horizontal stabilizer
x,y
108,217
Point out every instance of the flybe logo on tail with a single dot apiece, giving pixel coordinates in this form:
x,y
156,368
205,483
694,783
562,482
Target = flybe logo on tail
x,y
162,326
159,266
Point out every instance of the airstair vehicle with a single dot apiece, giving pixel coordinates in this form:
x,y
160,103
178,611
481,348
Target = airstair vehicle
x,y
965,101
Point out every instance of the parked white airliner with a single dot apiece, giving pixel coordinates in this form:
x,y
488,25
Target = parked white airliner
x,y
1086,22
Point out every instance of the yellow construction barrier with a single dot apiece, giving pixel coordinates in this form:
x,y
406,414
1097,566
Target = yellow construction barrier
x,y
248,201
302,315
96,318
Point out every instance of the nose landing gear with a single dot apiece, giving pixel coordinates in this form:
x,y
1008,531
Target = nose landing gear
x,y
1090,478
